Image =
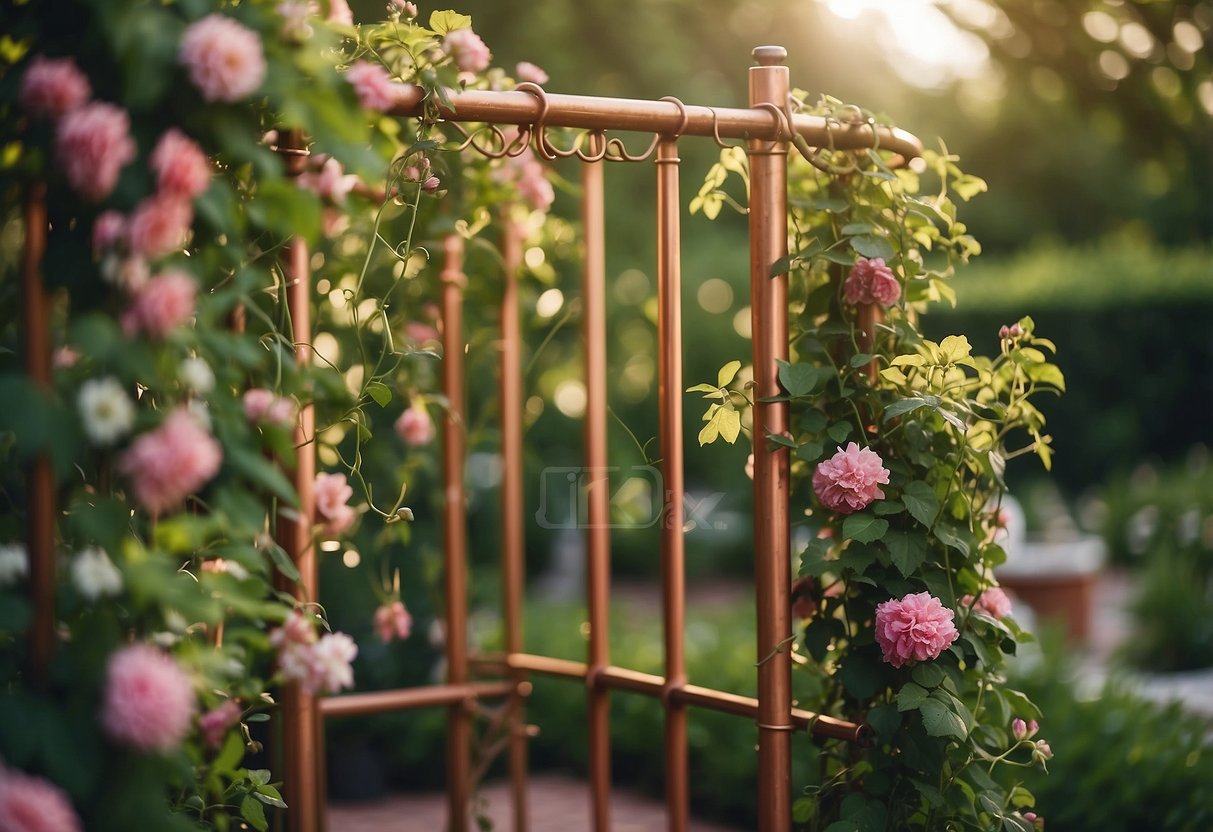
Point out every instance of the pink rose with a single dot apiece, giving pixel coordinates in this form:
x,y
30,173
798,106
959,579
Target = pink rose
x,y
92,145
993,602
108,231
163,304
467,50
180,165
149,700
261,406
871,281
332,497
527,71
415,426
850,480
914,629
330,182
169,463
224,58
53,87
339,12
214,724
373,85
159,225
298,628
392,621
31,804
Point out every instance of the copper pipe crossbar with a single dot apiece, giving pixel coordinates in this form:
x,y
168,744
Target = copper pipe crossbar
x,y
380,701
648,684
660,117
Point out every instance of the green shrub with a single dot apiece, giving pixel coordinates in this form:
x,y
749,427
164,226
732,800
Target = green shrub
x,y
1121,762
1160,523
1124,316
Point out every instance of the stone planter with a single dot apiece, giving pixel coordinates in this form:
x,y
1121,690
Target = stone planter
x,y
1057,580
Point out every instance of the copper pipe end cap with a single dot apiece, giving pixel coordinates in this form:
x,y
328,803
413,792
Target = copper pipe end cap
x,y
770,55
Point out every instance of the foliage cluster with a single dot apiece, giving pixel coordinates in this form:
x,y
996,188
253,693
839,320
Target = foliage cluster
x,y
195,570
942,423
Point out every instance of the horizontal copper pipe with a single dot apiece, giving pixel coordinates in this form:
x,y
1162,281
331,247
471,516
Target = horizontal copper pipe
x,y
664,117
403,699
649,684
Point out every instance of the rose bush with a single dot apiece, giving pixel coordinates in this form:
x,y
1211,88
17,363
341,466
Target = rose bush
x,y
901,623
159,138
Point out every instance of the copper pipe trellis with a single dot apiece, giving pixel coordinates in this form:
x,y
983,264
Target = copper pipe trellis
x,y
768,127
506,124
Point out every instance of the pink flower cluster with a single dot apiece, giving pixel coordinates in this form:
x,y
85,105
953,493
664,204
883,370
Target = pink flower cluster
x,y
420,172
529,72
149,700
181,167
53,87
374,87
914,629
224,59
329,181
871,281
332,503
214,724
92,144
169,463
262,407
525,173
317,664
161,305
392,621
415,426
1024,730
1010,333
31,804
993,601
467,50
850,480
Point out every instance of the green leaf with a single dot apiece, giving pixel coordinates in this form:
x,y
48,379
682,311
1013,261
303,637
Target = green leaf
x,y
954,537
911,696
870,246
954,348
940,721
379,391
910,404
448,21
260,471
797,379
864,528
705,388
839,431
929,675
921,502
885,720
252,811
727,373
284,564
810,451
860,359
230,754
907,550
730,424
860,675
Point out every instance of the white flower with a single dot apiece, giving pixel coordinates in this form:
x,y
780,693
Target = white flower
x,y
200,412
331,657
197,375
14,563
94,574
107,412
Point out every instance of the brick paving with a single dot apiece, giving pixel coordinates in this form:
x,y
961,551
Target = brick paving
x,y
558,804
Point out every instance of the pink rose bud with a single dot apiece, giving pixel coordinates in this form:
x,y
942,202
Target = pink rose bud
x,y
415,426
373,85
1042,751
527,71
467,50
332,498
431,184
392,621
214,724
1019,728
1004,332
1033,727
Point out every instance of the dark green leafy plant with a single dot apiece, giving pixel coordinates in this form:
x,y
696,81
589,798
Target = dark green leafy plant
x,y
902,620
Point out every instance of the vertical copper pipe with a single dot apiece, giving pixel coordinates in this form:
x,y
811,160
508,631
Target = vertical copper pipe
x,y
597,532
769,318
40,480
868,317
454,521
302,742
669,397
513,535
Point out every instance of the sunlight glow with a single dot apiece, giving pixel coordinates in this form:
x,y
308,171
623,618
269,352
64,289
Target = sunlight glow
x,y
921,43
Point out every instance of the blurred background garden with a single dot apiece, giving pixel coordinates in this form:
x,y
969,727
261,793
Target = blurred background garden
x,y
1092,123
